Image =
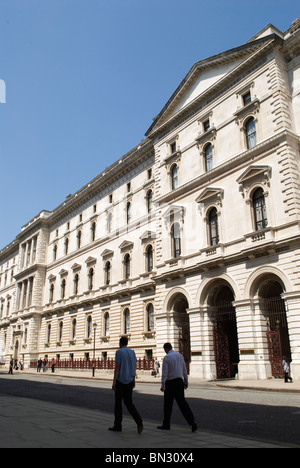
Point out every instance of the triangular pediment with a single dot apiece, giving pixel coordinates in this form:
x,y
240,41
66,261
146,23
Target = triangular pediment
x,y
254,172
148,235
174,211
205,80
209,194
63,272
126,245
90,260
107,253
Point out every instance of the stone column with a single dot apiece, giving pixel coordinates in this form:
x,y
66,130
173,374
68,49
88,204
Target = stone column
x,y
253,347
164,332
196,319
244,319
207,341
292,305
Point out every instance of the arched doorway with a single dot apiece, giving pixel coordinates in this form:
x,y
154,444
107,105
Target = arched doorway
x,y
226,344
273,308
182,336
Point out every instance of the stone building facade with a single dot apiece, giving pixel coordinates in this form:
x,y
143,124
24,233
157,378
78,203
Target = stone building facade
x,y
192,237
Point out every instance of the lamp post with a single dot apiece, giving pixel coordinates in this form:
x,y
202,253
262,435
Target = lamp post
x,y
94,354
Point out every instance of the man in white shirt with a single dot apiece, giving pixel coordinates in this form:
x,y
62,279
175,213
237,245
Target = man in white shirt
x,y
174,382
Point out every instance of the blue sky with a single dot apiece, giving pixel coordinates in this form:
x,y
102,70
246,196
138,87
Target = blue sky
x,y
84,79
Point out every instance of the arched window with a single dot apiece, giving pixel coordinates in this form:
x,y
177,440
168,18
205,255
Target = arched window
x,y
106,324
54,252
76,284
60,331
176,240
149,258
74,329
126,321
51,294
260,211
91,279
213,225
208,157
79,237
128,212
26,336
250,130
89,327
107,271
127,266
149,201
49,333
174,177
150,317
93,232
66,246
63,288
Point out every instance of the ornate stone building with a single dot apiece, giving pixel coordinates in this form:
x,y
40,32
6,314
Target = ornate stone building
x,y
192,237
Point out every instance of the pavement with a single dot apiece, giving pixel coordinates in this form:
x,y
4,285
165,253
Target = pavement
x,y
33,423
29,423
275,385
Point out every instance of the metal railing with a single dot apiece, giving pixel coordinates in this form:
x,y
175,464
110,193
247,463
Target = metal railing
x,y
98,364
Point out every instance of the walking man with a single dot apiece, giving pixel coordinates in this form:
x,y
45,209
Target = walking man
x,y
123,385
174,382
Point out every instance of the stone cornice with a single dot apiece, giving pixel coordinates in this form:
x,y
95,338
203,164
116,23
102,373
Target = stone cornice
x,y
46,218
122,166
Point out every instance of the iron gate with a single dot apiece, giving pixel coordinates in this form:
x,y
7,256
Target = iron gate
x,y
277,334
275,353
184,343
221,352
226,340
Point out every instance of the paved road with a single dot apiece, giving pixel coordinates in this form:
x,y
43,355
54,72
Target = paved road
x,y
261,415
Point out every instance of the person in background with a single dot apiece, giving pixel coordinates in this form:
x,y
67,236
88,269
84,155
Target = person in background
x,y
287,370
157,367
39,365
53,364
11,367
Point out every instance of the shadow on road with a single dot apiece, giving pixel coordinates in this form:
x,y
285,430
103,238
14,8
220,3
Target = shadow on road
x,y
273,423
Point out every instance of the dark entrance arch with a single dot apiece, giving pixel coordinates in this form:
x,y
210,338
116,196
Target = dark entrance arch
x,y
225,334
182,331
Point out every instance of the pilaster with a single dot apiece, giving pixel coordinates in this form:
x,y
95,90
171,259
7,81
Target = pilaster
x,y
292,304
253,348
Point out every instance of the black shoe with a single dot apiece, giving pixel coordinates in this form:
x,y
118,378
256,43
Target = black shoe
x,y
114,429
194,427
164,428
140,428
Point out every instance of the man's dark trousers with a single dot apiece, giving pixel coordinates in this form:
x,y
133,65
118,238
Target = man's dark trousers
x,y
175,390
124,392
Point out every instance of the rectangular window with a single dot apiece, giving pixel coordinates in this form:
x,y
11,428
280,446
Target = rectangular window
x,y
247,98
206,125
173,147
